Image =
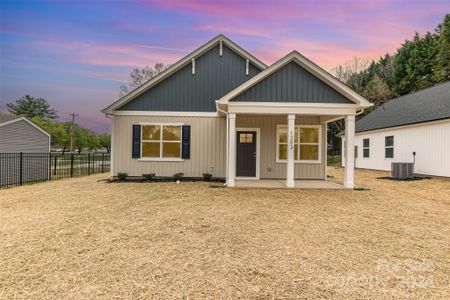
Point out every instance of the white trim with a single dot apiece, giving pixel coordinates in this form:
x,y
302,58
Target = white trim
x,y
403,126
292,108
28,121
193,66
349,152
167,159
111,166
161,123
246,67
180,64
290,149
292,104
161,142
165,113
325,149
309,66
220,48
320,145
258,150
231,150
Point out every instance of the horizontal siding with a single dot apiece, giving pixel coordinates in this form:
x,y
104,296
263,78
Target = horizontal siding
x,y
20,136
269,168
292,83
207,147
214,76
430,141
208,142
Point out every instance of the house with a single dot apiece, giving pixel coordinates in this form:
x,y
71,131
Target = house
x,y
412,128
24,151
18,134
221,110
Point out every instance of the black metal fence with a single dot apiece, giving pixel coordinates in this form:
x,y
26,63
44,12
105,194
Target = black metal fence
x,y
25,168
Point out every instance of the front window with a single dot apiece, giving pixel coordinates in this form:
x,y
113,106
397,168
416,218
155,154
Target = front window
x,y
389,147
366,148
161,141
306,143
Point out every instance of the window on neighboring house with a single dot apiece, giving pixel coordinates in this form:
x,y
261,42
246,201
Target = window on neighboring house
x,y
366,148
306,143
161,141
389,147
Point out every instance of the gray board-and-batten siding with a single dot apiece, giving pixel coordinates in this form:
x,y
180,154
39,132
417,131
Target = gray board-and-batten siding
x,y
183,91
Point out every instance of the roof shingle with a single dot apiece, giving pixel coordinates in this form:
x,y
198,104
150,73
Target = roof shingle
x,y
422,106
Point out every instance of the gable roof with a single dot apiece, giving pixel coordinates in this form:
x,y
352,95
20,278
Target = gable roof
x,y
423,106
180,64
6,120
310,67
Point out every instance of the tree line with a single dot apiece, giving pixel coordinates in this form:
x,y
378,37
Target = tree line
x,y
38,111
419,63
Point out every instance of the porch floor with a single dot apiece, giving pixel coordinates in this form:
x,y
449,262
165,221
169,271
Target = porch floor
x,y
281,183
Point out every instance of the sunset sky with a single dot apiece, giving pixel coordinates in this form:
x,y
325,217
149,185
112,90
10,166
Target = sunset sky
x,y
76,54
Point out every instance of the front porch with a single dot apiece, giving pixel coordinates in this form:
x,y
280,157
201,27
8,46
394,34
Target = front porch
x,y
281,184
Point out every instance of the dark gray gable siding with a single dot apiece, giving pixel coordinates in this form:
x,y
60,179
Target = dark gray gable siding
x,y
214,77
292,83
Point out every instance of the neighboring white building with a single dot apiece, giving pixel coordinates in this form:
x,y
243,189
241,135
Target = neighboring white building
x,y
411,128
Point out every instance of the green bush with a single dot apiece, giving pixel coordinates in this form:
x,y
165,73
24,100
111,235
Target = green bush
x,y
122,176
149,176
178,176
207,176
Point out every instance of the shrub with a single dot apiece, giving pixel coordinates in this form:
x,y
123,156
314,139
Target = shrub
x,y
149,176
207,176
178,176
122,176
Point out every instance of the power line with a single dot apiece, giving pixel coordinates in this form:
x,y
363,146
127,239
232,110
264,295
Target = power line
x,y
74,115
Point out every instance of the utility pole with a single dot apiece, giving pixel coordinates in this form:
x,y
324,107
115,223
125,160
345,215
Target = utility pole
x,y
71,130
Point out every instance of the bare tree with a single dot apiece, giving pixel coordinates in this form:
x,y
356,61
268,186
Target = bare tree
x,y
140,76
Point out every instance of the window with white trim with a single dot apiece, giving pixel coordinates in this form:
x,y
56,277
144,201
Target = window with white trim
x,y
160,141
366,148
307,143
389,146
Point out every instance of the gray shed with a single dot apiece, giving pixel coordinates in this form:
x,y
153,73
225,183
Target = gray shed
x,y
24,151
18,134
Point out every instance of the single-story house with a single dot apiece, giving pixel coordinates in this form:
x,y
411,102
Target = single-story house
x,y
221,110
24,151
18,134
412,128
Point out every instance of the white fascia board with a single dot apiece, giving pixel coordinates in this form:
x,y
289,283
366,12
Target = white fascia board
x,y
165,113
308,66
406,126
293,108
180,64
28,121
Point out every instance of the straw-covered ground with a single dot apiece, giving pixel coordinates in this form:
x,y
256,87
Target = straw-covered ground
x,y
84,238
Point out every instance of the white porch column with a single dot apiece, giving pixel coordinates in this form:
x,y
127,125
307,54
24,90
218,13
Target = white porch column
x,y
349,151
290,152
231,150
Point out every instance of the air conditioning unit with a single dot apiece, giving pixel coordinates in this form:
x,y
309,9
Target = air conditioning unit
x,y
402,170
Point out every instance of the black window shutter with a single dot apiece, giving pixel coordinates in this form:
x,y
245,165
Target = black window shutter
x,y
186,142
136,152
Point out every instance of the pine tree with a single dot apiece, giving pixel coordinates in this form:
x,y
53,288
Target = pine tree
x,y
442,69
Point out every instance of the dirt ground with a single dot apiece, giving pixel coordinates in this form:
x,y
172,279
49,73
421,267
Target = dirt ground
x,y
85,238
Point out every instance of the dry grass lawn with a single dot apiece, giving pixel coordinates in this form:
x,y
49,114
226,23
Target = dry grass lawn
x,y
84,238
